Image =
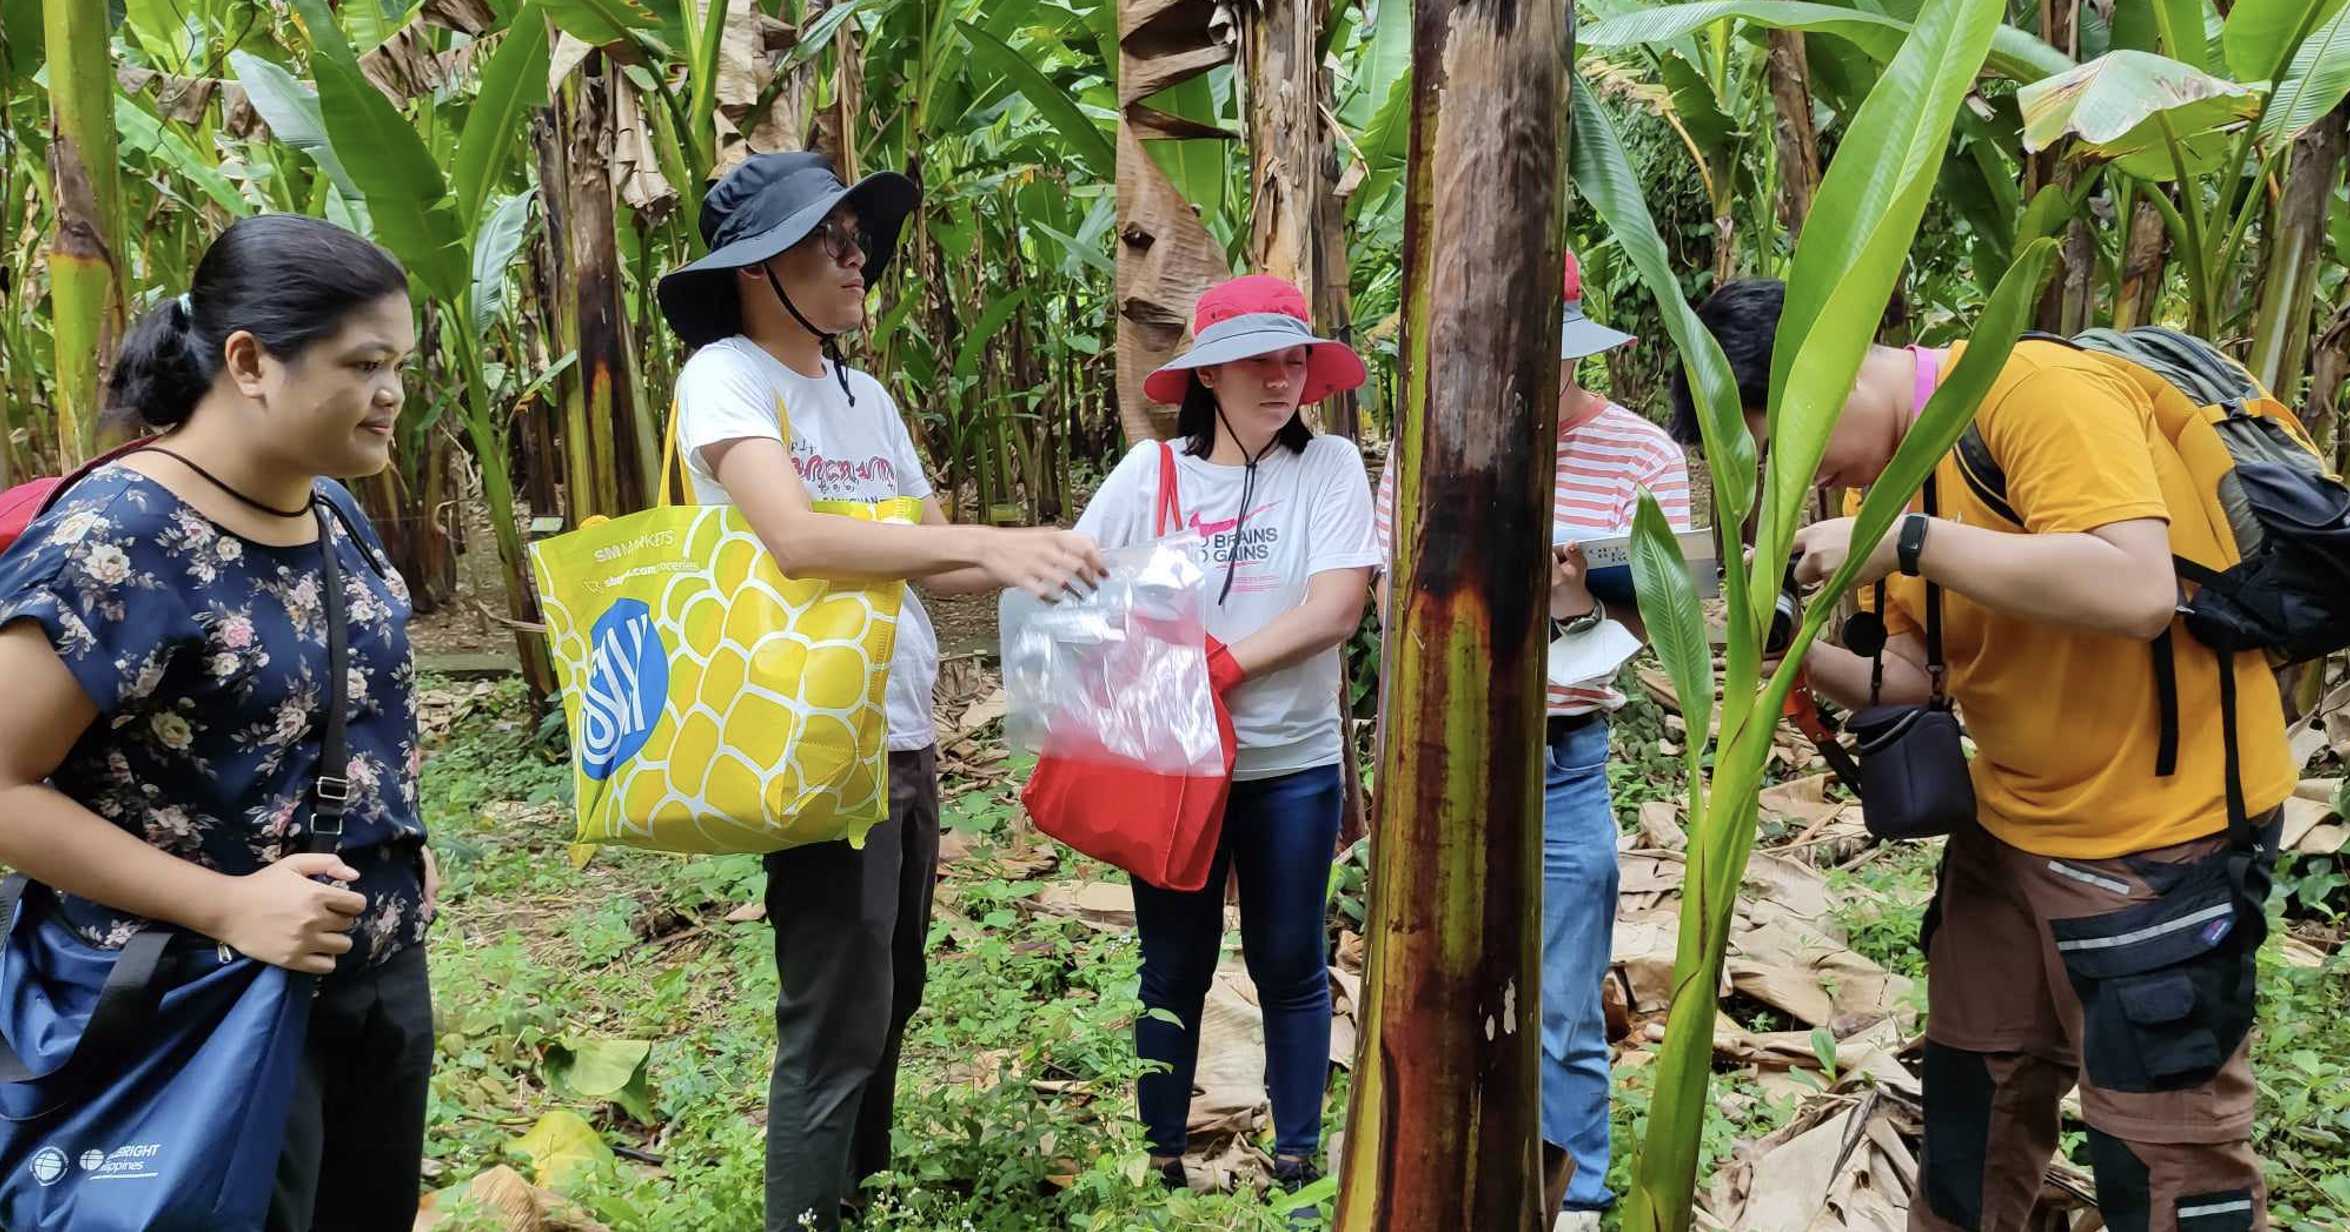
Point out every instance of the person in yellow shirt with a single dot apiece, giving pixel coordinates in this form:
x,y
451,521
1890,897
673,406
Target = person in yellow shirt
x,y
2087,930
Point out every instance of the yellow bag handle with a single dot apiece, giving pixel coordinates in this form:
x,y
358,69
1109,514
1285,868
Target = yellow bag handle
x,y
669,459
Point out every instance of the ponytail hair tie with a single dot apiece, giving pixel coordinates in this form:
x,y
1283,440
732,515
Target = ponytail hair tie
x,y
187,306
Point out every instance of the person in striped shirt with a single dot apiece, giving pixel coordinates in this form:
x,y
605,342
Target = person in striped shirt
x,y
1606,456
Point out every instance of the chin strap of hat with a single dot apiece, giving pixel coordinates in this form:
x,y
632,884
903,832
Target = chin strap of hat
x,y
829,342
1248,489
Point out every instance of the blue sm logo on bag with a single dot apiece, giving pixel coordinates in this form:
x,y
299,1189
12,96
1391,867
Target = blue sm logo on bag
x,y
627,687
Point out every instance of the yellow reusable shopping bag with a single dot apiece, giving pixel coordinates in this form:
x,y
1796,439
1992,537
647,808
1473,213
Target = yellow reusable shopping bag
x,y
714,704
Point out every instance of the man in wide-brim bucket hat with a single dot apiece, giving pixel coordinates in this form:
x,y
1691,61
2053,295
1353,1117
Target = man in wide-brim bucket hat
x,y
1605,455
762,209
770,419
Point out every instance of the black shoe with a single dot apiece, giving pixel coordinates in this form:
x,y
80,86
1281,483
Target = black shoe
x,y
1294,1174
1291,1175
1171,1175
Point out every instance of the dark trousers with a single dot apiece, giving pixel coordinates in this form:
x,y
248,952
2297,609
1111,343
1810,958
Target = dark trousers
x,y
354,1148
1279,835
849,931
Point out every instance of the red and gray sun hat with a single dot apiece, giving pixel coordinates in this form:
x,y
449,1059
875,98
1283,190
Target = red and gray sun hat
x,y
1579,335
1256,315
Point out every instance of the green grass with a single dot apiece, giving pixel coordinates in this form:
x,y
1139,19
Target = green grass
x,y
1016,1102
1015,1109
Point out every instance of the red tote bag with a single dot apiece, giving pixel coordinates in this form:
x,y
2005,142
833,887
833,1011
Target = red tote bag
x,y
1158,826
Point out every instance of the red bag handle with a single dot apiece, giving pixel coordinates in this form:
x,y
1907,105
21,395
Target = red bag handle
x,y
1170,506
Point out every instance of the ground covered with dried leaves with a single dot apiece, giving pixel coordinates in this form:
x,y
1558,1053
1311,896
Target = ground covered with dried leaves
x,y
606,1028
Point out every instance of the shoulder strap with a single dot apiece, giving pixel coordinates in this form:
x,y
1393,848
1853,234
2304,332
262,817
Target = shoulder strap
x,y
126,1004
330,797
1170,504
82,472
1936,668
1982,473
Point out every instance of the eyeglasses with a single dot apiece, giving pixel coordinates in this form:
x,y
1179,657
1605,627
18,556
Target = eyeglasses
x,y
838,238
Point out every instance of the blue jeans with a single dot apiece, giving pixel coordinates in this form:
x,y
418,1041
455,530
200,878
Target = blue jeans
x,y
1579,879
1280,835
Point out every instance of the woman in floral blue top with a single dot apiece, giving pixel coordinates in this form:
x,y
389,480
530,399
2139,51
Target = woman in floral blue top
x,y
163,633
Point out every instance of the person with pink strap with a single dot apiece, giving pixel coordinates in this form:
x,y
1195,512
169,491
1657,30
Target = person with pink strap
x,y
2087,930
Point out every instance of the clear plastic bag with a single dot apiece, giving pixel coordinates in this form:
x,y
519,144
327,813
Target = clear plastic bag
x,y
1119,677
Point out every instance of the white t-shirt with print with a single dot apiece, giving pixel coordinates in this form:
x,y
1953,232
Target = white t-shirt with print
x,y
1308,513
731,390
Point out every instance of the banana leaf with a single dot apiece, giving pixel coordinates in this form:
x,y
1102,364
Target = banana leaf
x,y
1850,254
290,108
1676,625
1086,143
2260,35
1603,176
2126,106
2014,53
2313,85
601,23
407,200
494,247
143,133
513,85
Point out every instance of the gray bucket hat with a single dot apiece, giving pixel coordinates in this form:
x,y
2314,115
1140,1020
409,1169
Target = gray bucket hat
x,y
1579,335
761,209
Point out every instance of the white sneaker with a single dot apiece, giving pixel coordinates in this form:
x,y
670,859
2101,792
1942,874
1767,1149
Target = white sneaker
x,y
1577,1221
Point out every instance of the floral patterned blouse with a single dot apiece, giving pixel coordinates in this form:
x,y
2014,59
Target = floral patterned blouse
x,y
205,653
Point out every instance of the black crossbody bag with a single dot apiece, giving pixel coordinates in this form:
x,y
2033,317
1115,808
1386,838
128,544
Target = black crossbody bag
x,y
1913,769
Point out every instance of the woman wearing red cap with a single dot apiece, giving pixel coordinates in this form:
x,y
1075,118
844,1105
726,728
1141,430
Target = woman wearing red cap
x,y
1284,519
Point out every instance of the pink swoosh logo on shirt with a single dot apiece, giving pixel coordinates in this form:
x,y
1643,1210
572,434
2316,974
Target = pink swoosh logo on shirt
x,y
1209,530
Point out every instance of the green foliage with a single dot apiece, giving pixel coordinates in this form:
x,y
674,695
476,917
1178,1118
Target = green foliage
x,y
407,198
1015,1106
2301,1061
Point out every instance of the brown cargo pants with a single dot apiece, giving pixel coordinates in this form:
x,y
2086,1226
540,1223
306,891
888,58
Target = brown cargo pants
x,y
2133,977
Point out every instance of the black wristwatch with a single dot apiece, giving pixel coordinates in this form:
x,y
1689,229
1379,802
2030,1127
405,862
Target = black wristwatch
x,y
1912,542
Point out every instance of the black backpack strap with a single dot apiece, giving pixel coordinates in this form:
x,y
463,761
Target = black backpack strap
x,y
1982,473
126,1007
2240,834
2166,689
330,796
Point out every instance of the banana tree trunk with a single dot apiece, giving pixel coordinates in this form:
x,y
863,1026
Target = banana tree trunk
x,y
86,275
2294,238
1798,144
1285,138
1444,1131
1165,256
1297,229
2329,376
836,124
2144,258
609,447
2064,309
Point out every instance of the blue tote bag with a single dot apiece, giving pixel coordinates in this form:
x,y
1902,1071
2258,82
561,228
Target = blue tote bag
x,y
146,1089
